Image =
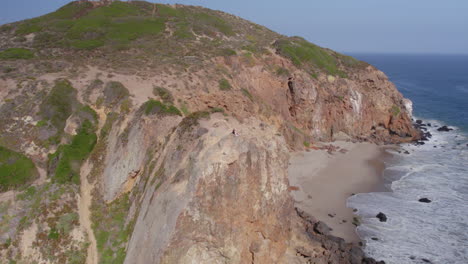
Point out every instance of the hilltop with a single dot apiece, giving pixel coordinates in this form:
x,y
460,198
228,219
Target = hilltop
x,y
120,117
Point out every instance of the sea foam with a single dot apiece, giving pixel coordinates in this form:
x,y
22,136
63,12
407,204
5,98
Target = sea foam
x,y
416,232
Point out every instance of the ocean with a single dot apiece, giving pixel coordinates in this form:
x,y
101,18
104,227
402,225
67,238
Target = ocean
x,y
419,232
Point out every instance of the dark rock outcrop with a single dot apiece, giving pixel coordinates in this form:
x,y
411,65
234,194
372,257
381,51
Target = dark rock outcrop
x,y
424,200
444,129
382,217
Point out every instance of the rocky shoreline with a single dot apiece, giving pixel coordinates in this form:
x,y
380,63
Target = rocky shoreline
x,y
341,252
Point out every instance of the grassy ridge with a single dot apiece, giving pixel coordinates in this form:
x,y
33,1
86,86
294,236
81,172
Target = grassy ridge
x,y
80,25
156,32
312,57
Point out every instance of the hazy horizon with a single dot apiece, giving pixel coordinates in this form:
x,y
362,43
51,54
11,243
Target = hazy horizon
x,y
364,26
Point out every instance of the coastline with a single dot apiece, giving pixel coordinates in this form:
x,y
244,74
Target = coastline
x,y
322,181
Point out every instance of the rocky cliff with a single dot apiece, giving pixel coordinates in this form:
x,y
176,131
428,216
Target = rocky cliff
x,y
126,111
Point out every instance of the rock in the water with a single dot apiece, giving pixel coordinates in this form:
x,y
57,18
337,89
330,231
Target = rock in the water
x,y
406,152
382,217
372,261
444,128
425,200
321,228
418,122
374,238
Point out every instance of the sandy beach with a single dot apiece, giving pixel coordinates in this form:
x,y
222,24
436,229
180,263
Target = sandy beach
x,y
326,180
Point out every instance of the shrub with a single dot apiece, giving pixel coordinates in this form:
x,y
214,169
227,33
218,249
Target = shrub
x,y
53,234
192,120
152,107
282,71
206,21
66,222
164,94
59,104
41,123
67,160
125,106
217,110
224,85
114,93
15,169
247,93
228,52
184,108
395,110
183,31
16,53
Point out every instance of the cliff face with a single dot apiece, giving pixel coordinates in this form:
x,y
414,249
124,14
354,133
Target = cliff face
x,y
131,135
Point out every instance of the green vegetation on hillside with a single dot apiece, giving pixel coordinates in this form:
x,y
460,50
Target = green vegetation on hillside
x,y
15,169
247,93
312,57
152,107
59,104
306,54
224,85
82,25
192,120
208,22
282,71
16,53
165,34
67,160
395,110
111,231
114,93
164,94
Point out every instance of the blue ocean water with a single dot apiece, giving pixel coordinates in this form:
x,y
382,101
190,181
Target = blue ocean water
x,y
416,232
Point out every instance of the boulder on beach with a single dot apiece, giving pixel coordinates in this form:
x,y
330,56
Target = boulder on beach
x,y
322,228
382,217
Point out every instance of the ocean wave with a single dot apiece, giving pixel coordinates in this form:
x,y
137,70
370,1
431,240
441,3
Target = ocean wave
x,y
418,232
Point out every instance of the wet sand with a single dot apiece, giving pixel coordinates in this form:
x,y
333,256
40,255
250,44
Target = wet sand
x,y
325,181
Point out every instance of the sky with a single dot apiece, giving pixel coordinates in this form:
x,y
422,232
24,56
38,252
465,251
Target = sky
x,y
350,26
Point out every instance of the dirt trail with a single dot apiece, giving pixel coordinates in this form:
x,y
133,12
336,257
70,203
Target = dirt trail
x,y
42,176
84,203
